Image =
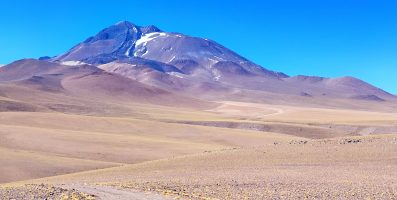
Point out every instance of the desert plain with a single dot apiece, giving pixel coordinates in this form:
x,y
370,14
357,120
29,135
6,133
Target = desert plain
x,y
219,150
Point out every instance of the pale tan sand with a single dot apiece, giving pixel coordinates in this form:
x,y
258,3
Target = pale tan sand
x,y
232,151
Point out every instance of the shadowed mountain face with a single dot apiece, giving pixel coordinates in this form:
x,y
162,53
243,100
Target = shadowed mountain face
x,y
176,63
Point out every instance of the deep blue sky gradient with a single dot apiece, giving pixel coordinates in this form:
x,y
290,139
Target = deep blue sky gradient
x,y
326,38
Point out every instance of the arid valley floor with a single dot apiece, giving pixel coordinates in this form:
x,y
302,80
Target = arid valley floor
x,y
229,150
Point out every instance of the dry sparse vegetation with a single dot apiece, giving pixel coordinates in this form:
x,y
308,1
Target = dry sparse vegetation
x,y
190,153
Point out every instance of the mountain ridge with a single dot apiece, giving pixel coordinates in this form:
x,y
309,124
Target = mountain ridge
x,y
189,66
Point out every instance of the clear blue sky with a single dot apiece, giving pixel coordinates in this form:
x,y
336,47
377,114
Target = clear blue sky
x,y
326,38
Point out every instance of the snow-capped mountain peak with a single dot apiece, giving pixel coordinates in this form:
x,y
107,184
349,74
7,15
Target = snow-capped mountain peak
x,y
117,40
127,40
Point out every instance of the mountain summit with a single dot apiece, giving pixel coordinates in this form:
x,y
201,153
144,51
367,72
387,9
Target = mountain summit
x,y
117,40
126,40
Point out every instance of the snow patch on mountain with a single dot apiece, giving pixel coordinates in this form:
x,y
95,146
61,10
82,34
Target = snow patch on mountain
x,y
127,53
172,59
176,74
148,37
73,63
217,75
140,45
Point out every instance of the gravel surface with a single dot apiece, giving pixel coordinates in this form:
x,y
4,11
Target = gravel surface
x,y
42,191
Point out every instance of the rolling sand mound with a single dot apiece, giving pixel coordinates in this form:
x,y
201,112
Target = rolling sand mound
x,y
112,87
202,154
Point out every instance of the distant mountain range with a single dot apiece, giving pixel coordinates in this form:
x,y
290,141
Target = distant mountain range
x,y
174,63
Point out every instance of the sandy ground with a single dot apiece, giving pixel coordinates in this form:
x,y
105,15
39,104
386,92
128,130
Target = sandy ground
x,y
234,151
112,193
